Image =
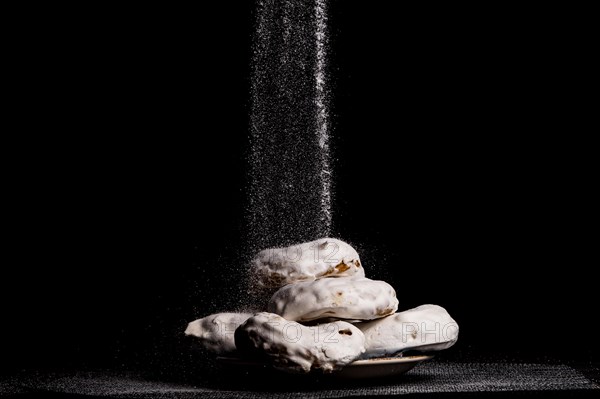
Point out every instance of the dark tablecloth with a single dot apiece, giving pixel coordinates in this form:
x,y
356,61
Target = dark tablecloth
x,y
432,378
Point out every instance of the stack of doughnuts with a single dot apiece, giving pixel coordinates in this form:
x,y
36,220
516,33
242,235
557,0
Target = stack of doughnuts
x,y
323,314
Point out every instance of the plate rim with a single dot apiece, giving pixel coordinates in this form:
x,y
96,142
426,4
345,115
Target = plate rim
x,y
390,360
357,363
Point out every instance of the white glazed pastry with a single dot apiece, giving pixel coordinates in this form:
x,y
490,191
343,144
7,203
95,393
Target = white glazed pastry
x,y
425,328
326,257
341,298
216,332
295,348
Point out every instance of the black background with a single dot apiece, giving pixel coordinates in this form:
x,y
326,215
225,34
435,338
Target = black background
x,y
463,175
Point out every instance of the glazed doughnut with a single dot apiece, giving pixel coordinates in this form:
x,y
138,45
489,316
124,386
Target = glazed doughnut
x,y
326,257
295,348
339,298
425,328
216,332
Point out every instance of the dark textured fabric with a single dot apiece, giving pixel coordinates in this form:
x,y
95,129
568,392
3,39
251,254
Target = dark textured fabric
x,y
429,378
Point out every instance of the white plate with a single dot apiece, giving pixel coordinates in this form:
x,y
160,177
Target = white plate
x,y
370,368
380,367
